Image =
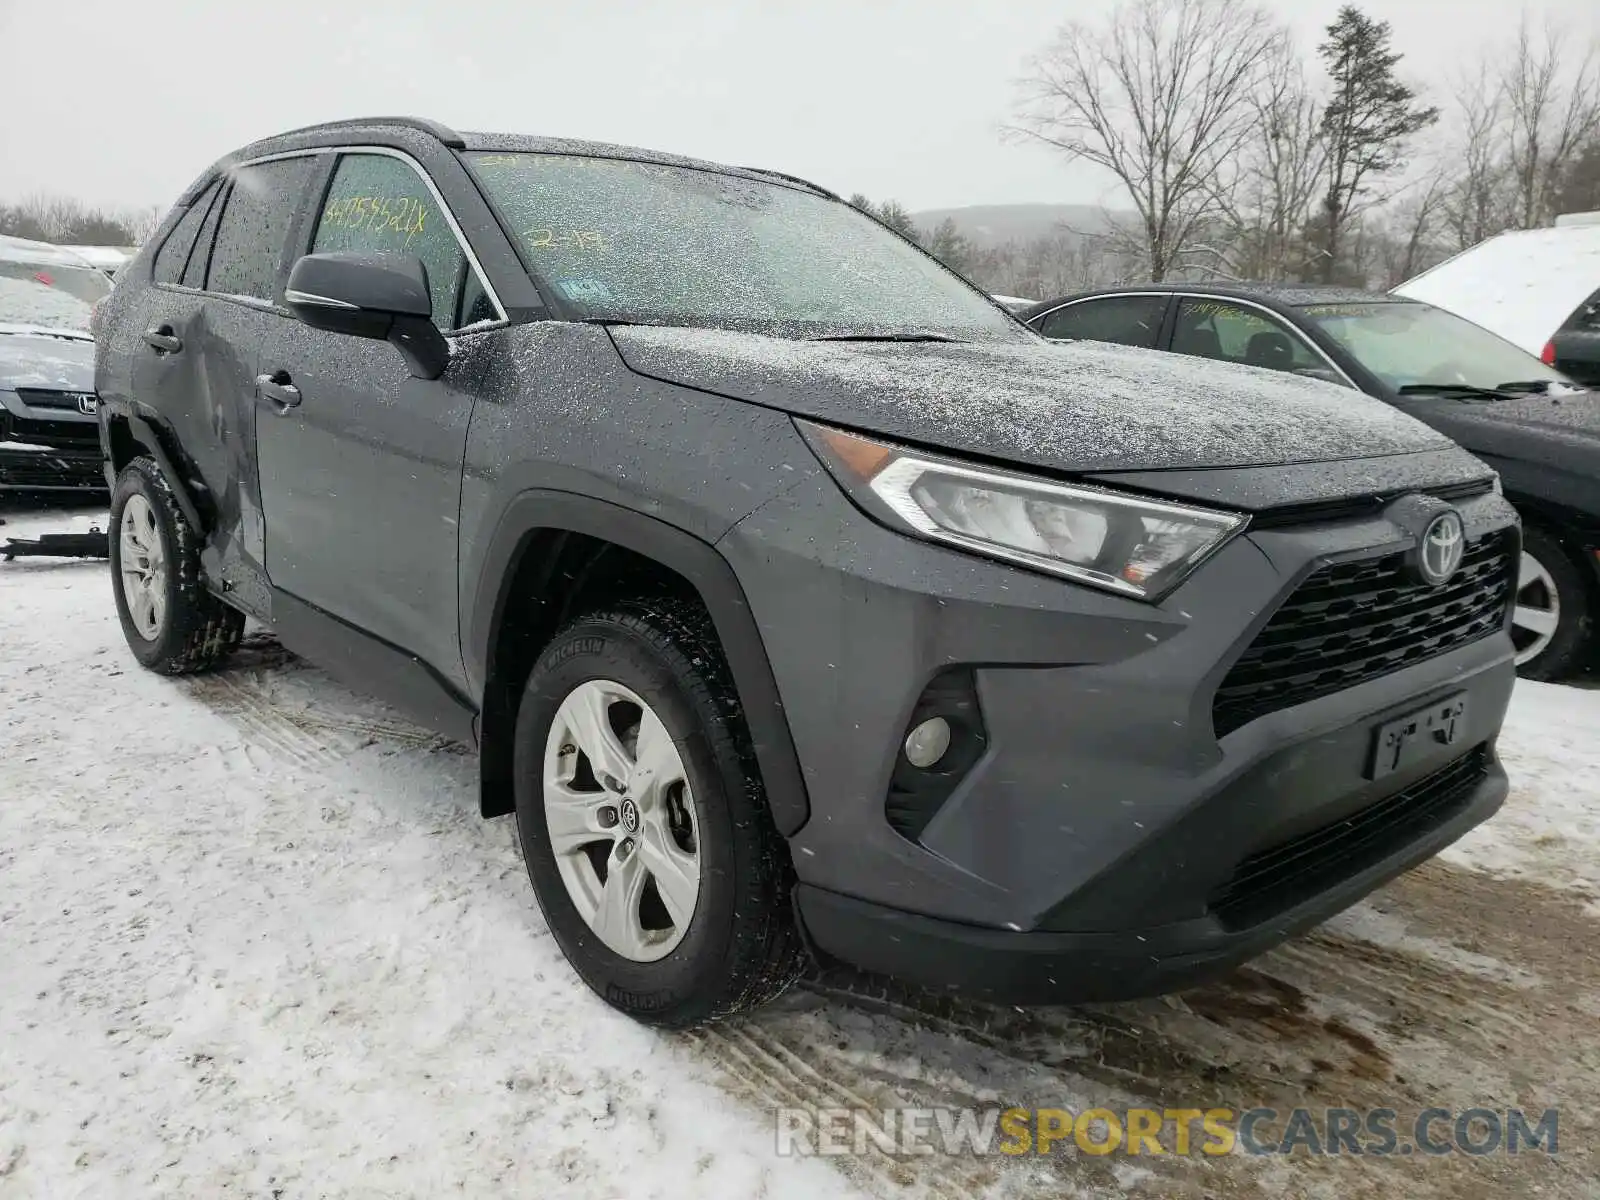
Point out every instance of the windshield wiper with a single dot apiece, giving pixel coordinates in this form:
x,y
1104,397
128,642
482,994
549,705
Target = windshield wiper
x,y
1525,387
1451,389
914,336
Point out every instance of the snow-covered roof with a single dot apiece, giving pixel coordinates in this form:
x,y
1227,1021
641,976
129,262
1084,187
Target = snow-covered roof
x,y
107,258
1521,285
26,250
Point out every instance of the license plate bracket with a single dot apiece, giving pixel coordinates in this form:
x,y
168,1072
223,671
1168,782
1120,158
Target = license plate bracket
x,y
1418,735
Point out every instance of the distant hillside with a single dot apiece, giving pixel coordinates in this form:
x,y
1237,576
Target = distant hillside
x,y
995,224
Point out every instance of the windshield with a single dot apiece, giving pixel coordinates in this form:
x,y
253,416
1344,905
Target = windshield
x,y
622,240
1410,345
28,302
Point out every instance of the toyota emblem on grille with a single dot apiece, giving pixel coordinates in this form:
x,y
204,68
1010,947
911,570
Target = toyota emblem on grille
x,y
88,405
1439,555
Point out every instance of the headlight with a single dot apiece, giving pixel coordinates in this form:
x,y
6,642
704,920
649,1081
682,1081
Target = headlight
x,y
1121,543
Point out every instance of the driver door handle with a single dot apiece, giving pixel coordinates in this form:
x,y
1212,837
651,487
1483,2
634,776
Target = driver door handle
x,y
277,388
162,340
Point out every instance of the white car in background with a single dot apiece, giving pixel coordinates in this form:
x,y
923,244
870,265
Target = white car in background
x,y
1014,303
1537,288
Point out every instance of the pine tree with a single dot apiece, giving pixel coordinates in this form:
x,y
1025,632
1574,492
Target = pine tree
x,y
1369,118
950,246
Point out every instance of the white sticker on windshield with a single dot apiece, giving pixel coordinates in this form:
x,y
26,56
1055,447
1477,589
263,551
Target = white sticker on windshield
x,y
586,291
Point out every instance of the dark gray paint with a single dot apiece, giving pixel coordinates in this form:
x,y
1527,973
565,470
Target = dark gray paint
x,y
390,504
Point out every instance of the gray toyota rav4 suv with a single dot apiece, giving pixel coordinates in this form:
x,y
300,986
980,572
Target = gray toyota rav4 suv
x,y
798,600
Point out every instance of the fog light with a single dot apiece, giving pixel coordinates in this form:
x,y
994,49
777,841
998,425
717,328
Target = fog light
x,y
927,743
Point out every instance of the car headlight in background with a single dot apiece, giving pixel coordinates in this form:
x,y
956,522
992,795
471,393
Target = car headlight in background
x,y
1121,543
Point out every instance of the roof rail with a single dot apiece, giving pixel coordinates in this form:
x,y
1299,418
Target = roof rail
x,y
815,187
432,128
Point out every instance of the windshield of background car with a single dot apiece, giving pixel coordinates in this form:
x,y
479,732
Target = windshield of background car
x,y
1410,344
28,302
85,283
634,241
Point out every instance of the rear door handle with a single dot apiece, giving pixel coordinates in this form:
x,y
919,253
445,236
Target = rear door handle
x,y
277,388
162,340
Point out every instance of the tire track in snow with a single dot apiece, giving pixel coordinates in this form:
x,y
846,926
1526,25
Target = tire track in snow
x,y
247,693
769,1073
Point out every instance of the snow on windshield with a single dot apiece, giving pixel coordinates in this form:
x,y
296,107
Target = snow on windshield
x,y
26,302
643,242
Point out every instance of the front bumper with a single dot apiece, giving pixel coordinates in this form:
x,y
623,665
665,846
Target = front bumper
x,y
47,449
28,468
1096,848
1044,967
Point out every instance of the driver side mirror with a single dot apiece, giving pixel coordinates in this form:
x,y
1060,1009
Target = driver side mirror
x,y
381,296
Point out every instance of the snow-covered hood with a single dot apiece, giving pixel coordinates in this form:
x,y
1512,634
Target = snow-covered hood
x,y
41,358
1570,420
1073,406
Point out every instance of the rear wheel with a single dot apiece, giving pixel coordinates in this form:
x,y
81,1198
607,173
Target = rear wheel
x,y
644,824
172,623
1553,622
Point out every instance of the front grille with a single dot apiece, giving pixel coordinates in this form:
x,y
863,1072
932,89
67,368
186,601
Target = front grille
x,y
63,435
1274,880
1356,621
55,401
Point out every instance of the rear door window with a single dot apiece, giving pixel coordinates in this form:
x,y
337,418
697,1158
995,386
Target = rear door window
x,y
254,228
377,204
1126,320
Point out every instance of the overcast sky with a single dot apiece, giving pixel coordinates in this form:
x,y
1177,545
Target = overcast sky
x,y
124,101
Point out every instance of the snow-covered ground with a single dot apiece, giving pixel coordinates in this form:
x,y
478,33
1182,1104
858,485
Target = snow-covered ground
x,y
255,941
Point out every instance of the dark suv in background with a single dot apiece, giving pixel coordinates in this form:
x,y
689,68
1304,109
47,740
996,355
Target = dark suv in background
x,y
1538,428
793,593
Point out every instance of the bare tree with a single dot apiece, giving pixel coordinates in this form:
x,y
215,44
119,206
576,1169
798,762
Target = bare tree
x,y
1479,201
1160,97
1280,177
1553,108
1408,244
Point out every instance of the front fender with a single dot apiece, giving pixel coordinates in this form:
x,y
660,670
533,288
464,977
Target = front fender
x,y
698,562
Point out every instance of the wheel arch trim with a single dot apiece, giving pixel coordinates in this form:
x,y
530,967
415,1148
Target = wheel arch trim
x,y
686,555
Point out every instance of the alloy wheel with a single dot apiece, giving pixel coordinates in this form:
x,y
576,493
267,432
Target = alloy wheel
x,y
621,819
143,563
1537,614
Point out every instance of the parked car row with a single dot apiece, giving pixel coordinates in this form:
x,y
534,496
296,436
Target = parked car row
x,y
1527,419
798,599
49,441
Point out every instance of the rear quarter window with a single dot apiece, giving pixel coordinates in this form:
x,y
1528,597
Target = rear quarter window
x,y
174,253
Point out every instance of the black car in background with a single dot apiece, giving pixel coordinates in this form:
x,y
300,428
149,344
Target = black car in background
x,y
1537,427
1575,349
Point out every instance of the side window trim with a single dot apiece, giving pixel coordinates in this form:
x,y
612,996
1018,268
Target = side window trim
x,y
339,152
200,207
207,233
1277,319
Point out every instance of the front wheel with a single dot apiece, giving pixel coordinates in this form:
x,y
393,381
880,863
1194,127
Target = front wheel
x,y
1552,624
644,824
172,623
